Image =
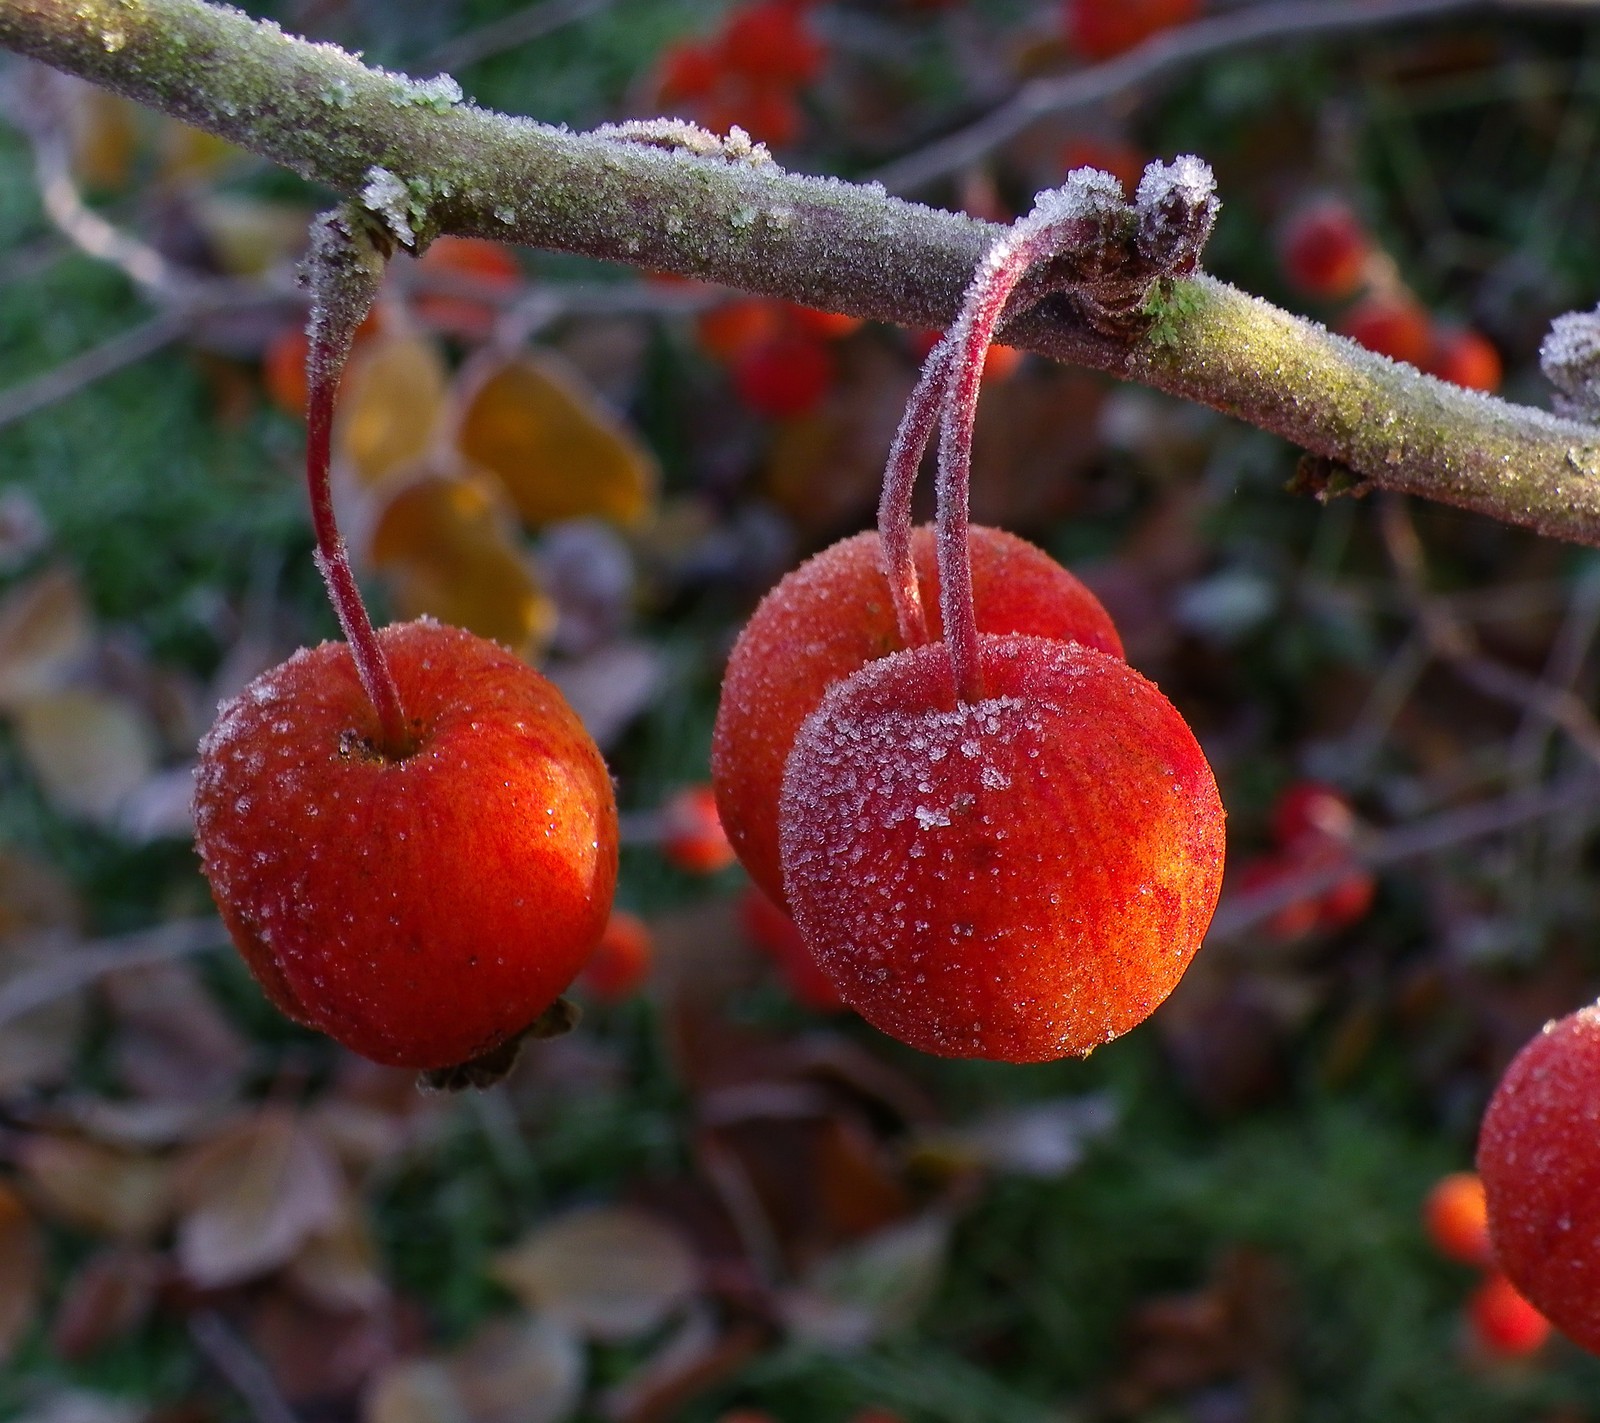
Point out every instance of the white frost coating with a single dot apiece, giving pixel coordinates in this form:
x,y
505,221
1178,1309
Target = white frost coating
x,y
1186,180
388,197
439,93
1570,359
1086,192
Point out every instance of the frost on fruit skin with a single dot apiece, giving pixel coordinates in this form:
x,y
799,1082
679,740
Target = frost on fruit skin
x,y
1023,877
1539,1156
421,911
833,615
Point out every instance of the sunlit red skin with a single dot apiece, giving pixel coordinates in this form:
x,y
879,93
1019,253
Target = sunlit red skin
x,y
1539,1156
830,617
1456,1217
1022,878
421,910
1504,1324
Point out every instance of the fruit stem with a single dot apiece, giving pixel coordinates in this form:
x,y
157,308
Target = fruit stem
x,y
899,480
343,275
1059,219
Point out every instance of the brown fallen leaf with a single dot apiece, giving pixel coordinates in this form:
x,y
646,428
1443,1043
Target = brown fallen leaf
x,y
321,1358
609,1272
172,1042
21,1270
123,1194
561,453
106,1298
46,634
89,749
338,1267
253,1196
514,1371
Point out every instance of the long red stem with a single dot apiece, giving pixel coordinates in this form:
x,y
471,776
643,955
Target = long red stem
x,y
324,364
899,480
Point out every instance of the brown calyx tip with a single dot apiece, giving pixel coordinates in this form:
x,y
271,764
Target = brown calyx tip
x,y
484,1071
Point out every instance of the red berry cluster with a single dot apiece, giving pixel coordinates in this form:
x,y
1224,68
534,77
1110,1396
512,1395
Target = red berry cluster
x,y
1326,252
1501,1324
1004,844
1102,29
1539,1156
1314,830
781,354
750,73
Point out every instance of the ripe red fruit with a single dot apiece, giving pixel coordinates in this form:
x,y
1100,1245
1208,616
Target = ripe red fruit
x,y
1395,326
829,618
1309,809
1021,877
1539,1156
774,933
1324,250
620,962
1297,918
768,42
421,909
1503,1324
784,377
689,70
1456,1217
692,837
1465,357
489,265
1099,29
727,331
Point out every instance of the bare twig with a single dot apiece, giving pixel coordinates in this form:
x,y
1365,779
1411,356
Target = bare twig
x,y
240,1366
72,967
71,376
511,31
1239,913
1168,53
426,163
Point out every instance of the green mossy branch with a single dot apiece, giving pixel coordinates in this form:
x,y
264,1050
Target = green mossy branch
x,y
426,163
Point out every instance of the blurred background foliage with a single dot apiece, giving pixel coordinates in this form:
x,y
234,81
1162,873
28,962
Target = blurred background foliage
x,y
722,1198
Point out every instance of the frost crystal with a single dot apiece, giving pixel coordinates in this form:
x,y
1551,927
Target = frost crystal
x,y
1570,359
440,93
386,195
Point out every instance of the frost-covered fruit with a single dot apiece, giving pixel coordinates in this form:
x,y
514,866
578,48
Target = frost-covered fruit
x,y
1022,877
1539,1156
833,615
1311,810
1503,1324
1456,1217
421,909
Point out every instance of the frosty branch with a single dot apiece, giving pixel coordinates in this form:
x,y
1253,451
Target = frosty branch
x,y
426,163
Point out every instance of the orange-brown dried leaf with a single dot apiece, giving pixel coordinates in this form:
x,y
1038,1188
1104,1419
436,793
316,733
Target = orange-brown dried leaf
x,y
124,1194
446,552
338,1267
513,1371
560,452
253,1196
390,402
46,633
608,1272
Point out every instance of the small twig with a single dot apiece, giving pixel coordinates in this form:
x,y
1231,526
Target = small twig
x,y
74,967
1167,53
509,32
1241,912
124,349
240,1366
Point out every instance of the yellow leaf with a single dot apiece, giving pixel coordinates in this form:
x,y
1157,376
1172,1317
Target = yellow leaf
x,y
189,154
105,136
389,405
250,235
446,551
90,750
127,1194
560,452
45,633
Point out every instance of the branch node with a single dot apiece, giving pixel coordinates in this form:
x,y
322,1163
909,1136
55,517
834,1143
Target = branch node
x,y
1570,359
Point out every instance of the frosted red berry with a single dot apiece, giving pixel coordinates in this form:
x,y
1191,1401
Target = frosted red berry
x,y
1310,809
833,615
421,908
1020,877
1539,1156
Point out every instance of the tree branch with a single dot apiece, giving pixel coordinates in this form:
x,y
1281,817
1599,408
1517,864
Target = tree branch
x,y
428,163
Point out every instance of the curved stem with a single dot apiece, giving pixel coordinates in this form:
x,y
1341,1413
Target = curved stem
x,y
899,480
337,311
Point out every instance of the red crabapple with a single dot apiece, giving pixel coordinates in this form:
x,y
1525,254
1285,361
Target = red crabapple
x,y
1505,1325
620,962
423,905
1099,29
1539,1156
830,617
1465,357
1395,326
1020,876
1456,1217
692,837
785,377
774,933
1323,249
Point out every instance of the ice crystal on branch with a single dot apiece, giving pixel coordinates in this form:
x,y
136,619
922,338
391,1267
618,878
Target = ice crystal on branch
x,y
1570,359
